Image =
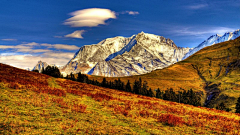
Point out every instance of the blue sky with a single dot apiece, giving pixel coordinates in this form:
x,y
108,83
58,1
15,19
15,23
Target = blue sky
x,y
53,30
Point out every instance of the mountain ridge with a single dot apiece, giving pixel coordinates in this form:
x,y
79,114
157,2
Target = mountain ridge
x,y
158,55
214,39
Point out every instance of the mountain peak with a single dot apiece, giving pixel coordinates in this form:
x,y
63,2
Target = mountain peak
x,y
214,39
40,66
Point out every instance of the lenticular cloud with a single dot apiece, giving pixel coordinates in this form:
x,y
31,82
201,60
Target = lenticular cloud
x,y
91,17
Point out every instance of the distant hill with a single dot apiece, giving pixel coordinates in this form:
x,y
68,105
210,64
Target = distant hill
x,y
33,103
214,70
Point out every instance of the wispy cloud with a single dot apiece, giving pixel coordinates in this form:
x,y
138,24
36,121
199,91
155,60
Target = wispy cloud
x,y
91,17
65,47
199,32
34,47
130,12
30,44
197,6
76,34
9,39
6,46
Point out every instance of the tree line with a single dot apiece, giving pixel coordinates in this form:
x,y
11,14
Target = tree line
x,y
141,88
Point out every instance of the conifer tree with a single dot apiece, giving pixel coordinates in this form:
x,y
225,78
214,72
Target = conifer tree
x,y
80,77
150,93
104,82
52,71
159,94
238,106
128,87
143,90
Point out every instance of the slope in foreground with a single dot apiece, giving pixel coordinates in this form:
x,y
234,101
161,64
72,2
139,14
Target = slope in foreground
x,y
39,104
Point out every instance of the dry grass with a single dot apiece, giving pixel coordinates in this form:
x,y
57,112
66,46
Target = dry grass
x,y
88,109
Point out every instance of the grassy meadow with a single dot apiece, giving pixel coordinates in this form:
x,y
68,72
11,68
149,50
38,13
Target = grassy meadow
x,y
33,103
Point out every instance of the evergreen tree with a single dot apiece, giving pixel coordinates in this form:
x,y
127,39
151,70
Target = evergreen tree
x,y
128,87
35,70
80,77
137,86
143,90
104,82
159,94
150,93
51,71
72,77
238,106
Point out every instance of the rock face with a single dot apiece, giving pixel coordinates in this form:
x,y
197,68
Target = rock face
x,y
119,56
214,39
89,55
40,65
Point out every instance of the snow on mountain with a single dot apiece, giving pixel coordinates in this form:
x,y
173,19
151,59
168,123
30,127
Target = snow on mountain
x,y
214,39
120,56
40,66
145,53
127,48
89,55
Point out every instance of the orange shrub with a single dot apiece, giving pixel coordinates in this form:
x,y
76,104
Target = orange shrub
x,y
171,119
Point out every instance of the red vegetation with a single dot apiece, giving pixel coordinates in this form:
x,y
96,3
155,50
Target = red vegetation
x,y
21,79
171,119
100,97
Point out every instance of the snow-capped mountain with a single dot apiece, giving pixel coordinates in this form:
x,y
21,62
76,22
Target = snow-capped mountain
x,y
40,66
214,39
89,55
119,56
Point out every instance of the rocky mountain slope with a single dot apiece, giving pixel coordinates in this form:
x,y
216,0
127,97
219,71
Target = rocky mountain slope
x,y
214,39
40,66
119,56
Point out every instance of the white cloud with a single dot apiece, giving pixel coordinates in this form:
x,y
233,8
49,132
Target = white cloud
x,y
6,46
65,47
34,47
91,17
28,61
200,31
30,44
130,12
133,12
9,39
6,54
199,6
26,55
76,34
46,44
